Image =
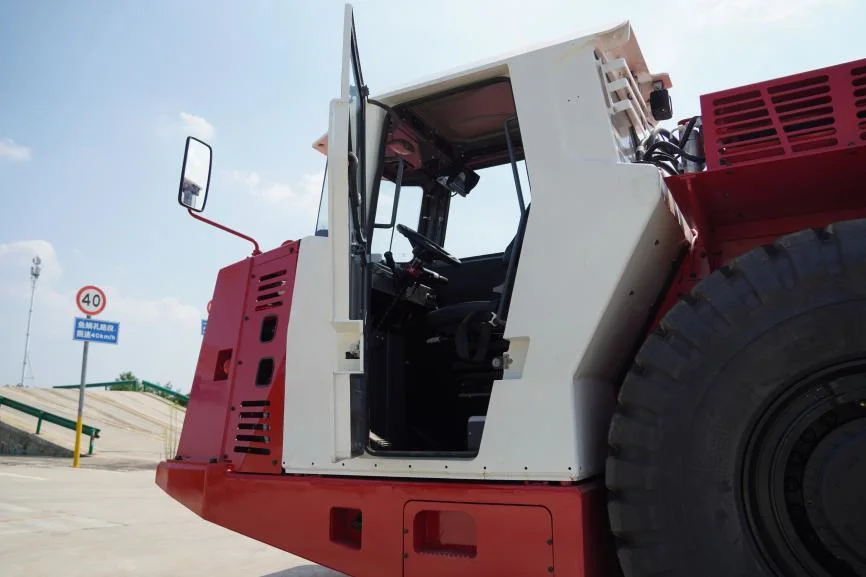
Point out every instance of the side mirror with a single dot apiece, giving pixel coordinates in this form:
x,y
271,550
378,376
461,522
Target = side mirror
x,y
195,175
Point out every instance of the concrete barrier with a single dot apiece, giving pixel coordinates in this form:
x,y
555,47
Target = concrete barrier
x,y
14,441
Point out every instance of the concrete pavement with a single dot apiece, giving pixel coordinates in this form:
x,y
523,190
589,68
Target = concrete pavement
x,y
99,522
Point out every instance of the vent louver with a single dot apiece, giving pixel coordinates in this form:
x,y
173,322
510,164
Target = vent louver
x,y
254,427
859,83
791,116
271,289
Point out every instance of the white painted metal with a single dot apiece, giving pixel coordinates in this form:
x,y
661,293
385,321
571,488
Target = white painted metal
x,y
599,243
310,419
321,332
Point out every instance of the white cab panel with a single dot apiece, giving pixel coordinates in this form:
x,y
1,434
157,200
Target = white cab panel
x,y
600,243
309,423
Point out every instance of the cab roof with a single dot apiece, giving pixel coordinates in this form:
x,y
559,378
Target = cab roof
x,y
617,41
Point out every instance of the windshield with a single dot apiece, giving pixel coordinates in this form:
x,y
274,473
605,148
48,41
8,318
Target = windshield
x,y
484,222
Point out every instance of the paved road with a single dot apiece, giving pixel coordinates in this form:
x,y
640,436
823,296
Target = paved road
x,y
95,522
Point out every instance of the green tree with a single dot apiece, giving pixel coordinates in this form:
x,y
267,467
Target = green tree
x,y
126,376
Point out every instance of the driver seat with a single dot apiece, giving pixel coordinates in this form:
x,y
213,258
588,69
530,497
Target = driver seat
x,y
479,325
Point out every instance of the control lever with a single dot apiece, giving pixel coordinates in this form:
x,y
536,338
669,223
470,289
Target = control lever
x,y
435,276
419,273
389,260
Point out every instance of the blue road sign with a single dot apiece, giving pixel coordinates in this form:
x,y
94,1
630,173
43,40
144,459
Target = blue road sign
x,y
203,326
95,331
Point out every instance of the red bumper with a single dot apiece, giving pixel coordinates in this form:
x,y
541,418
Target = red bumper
x,y
382,528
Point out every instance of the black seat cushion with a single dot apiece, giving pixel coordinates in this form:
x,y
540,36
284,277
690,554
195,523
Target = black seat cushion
x,y
454,314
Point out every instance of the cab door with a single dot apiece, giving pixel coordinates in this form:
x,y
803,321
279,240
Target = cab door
x,y
346,225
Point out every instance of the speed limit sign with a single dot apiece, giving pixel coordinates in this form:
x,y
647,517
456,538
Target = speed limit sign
x,y
90,300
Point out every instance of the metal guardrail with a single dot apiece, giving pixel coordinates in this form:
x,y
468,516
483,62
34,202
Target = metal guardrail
x,y
136,386
41,415
95,385
180,397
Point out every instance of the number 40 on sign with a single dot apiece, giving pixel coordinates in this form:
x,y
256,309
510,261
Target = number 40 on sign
x,y
91,301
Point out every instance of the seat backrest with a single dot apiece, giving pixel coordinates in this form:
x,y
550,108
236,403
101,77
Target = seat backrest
x,y
511,256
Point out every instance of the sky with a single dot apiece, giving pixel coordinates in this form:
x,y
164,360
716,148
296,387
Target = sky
x,y
97,97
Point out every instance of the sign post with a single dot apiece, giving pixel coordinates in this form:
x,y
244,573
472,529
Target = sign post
x,y
79,419
90,300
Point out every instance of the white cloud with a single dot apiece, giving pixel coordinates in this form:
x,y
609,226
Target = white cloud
x,y
712,13
151,311
197,126
12,151
304,197
19,255
159,337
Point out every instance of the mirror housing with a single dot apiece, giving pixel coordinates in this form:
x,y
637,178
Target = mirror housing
x,y
195,175
460,181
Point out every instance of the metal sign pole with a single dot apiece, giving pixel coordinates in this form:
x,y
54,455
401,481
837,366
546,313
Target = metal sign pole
x,y
78,422
90,301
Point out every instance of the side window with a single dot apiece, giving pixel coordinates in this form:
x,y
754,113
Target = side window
x,y
322,219
408,210
485,221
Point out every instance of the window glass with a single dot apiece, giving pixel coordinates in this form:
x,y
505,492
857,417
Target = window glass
x,y
408,209
322,220
485,221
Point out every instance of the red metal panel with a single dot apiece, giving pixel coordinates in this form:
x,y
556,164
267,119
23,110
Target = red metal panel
x,y
231,417
296,513
470,539
792,116
254,432
204,425
737,209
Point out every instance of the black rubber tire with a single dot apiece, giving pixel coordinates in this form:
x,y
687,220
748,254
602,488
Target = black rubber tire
x,y
744,337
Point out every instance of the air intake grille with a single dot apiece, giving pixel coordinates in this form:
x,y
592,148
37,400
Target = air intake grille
x,y
272,287
254,428
790,116
859,83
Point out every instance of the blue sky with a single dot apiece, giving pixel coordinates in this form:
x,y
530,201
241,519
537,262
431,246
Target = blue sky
x,y
97,97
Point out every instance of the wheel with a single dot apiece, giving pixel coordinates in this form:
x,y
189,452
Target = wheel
x,y
738,448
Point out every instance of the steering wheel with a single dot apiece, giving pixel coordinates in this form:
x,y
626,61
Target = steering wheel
x,y
422,244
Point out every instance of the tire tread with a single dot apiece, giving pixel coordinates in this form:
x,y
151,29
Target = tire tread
x,y
712,311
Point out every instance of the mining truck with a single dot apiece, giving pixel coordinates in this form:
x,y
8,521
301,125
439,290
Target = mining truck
x,y
606,347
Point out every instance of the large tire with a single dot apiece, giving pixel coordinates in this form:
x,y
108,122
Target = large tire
x,y
738,448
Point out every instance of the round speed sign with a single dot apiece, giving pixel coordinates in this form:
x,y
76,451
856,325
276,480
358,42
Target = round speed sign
x,y
90,300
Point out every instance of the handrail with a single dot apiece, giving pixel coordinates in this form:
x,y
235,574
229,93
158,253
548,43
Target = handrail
x,y
94,385
41,415
184,399
138,385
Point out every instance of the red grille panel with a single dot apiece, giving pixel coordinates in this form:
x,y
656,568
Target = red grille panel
x,y
254,428
859,83
801,114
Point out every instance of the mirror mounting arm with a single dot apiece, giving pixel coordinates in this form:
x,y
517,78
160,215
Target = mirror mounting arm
x,y
256,250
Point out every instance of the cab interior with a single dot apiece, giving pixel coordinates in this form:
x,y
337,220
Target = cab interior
x,y
435,320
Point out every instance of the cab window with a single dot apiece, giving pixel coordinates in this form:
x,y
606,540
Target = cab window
x,y
485,221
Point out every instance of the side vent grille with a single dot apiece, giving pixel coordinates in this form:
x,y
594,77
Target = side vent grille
x,y
254,427
805,111
859,83
271,290
802,114
795,117
744,128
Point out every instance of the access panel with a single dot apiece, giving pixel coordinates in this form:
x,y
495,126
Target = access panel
x,y
471,539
